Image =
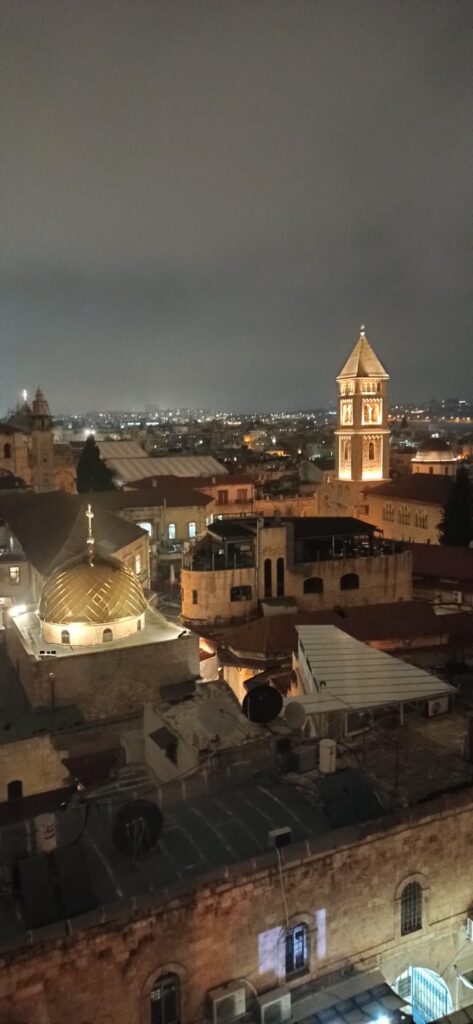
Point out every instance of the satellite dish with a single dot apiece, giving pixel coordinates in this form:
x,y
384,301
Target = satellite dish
x,y
294,715
215,718
137,827
262,704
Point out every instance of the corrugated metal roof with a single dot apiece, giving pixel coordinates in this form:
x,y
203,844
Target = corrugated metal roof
x,y
127,469
348,675
121,450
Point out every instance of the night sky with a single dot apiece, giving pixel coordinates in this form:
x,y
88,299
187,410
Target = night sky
x,y
201,201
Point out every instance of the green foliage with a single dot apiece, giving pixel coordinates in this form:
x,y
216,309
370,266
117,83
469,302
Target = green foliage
x,y
456,525
93,474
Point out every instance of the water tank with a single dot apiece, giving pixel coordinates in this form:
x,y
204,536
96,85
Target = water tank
x,y
46,833
327,756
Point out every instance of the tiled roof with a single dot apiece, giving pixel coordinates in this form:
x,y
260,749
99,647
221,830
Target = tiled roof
x,y
276,636
427,488
443,562
363,362
169,491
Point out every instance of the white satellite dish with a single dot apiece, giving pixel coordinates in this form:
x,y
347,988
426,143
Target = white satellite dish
x,y
294,715
215,718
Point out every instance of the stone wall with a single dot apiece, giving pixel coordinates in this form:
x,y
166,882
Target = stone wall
x,y
232,927
394,529
111,681
35,762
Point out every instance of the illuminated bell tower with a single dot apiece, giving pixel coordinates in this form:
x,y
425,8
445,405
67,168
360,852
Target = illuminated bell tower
x,y
362,435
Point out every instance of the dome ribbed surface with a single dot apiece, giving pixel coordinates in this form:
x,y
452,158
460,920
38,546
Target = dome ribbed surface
x,y
98,593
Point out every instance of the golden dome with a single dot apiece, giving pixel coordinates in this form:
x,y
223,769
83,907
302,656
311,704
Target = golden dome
x,y
101,592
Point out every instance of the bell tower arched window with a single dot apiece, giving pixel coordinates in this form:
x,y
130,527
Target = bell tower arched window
x,y
371,451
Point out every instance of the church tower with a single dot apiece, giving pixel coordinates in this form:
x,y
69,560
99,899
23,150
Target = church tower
x,y
42,444
362,435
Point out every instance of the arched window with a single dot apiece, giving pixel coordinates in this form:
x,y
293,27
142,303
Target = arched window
x,y
314,585
411,908
191,530
297,950
268,578
65,636
350,581
171,531
280,577
7,451
346,451
14,789
164,1000
107,635
371,451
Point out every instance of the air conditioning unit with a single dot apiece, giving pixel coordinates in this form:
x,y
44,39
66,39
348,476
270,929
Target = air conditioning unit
x,y
275,1006
278,837
436,706
469,928
228,1002
306,758
457,596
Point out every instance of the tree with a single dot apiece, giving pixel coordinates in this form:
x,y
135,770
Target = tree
x,y
93,473
456,525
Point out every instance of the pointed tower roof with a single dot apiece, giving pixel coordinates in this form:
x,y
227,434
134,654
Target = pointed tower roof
x,y
40,405
363,362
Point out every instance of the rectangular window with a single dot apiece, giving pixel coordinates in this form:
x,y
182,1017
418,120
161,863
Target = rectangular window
x,y
137,564
171,531
195,597
14,574
191,529
240,594
222,497
242,496
296,950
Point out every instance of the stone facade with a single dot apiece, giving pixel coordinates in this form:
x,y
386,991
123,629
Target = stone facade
x,y
221,595
346,890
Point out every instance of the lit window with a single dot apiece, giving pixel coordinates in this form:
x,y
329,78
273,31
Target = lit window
x,y
171,531
137,564
296,950
191,529
65,636
411,908
14,574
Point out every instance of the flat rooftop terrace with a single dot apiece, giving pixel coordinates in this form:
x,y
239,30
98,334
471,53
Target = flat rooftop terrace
x,y
156,630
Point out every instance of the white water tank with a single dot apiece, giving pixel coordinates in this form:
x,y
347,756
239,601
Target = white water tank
x,y
327,756
46,833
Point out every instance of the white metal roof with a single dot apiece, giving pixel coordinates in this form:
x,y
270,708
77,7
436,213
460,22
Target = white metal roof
x,y
121,450
346,674
129,469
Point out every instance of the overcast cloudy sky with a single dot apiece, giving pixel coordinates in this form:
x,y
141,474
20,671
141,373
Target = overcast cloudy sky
x,y
201,201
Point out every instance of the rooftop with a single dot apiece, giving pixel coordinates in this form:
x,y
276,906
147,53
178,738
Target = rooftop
x,y
427,488
156,630
442,562
363,361
128,469
347,675
52,527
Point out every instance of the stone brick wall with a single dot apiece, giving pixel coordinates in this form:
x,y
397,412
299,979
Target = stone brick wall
x,y
113,681
232,927
35,762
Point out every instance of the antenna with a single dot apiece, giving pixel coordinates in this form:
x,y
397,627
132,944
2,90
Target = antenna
x,y
216,718
294,715
262,704
137,828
